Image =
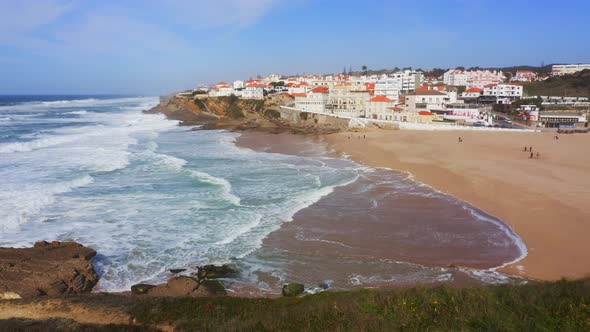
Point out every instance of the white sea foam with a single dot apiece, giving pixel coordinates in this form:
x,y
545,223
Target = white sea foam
x,y
21,204
217,181
507,230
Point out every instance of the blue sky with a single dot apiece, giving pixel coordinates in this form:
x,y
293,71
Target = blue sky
x,y
159,46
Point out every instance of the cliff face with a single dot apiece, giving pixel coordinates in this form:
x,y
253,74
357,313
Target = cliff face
x,y
48,268
243,114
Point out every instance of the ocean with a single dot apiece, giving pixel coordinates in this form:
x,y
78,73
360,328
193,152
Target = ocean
x,y
150,195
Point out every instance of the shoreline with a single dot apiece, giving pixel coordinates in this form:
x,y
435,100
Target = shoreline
x,y
315,236
499,187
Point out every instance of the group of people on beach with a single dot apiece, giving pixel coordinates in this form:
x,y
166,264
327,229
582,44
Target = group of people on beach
x,y
359,137
530,149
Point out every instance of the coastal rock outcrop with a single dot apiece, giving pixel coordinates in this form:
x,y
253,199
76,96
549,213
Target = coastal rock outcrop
x,y
233,113
48,268
217,271
187,286
294,289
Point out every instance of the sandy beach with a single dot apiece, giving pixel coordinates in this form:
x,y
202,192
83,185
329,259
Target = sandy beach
x,y
383,229
546,201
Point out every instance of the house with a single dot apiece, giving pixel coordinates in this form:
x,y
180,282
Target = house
x,y
425,117
524,76
471,94
221,89
348,99
314,101
380,108
503,93
254,91
425,100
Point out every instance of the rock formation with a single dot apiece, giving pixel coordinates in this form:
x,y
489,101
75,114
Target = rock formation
x,y
48,268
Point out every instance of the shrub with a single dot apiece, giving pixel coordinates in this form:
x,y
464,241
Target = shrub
x,y
273,114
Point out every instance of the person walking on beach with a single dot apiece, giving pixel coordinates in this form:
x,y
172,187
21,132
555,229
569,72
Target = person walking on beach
x,y
460,139
531,148
525,149
537,155
531,157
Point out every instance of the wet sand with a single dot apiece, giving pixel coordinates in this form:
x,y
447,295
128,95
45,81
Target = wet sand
x,y
546,200
385,229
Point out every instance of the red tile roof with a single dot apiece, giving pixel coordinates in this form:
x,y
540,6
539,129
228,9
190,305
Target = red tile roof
x,y
395,108
381,99
473,90
299,94
320,89
256,85
424,113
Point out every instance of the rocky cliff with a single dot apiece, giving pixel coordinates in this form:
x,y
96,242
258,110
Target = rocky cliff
x,y
48,268
243,114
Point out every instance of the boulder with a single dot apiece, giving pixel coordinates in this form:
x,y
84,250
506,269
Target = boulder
x,y
177,286
141,288
187,286
48,268
293,290
218,271
176,271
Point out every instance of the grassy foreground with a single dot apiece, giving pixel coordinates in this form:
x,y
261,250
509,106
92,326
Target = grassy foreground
x,y
547,306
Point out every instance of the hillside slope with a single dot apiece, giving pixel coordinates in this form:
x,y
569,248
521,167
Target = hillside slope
x,y
575,85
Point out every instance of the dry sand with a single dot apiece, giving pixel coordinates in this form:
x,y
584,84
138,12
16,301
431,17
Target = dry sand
x,y
546,200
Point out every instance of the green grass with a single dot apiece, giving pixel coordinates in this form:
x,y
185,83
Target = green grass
x,y
555,306
574,85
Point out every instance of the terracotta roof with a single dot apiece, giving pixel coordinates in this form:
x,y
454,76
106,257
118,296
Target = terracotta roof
x,y
370,86
320,89
424,113
395,108
299,94
256,85
381,99
473,90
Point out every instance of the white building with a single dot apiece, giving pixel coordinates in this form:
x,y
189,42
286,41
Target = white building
x,y
455,77
254,91
408,80
524,76
473,78
239,84
388,87
504,93
348,99
314,101
559,70
472,93
221,89
426,100
481,78
380,108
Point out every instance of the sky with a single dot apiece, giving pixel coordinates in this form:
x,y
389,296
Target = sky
x,y
152,47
